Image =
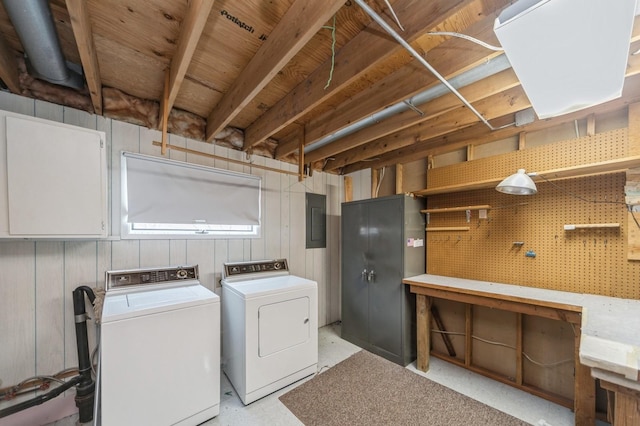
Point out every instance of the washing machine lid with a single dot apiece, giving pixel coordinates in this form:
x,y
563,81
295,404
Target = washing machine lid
x,y
122,305
266,286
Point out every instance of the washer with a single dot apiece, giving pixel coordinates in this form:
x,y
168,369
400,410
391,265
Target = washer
x,y
159,348
269,327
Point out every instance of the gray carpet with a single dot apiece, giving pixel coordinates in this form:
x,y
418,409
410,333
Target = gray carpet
x,y
366,389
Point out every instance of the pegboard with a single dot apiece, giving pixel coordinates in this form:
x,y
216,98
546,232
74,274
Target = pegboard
x,y
610,145
583,261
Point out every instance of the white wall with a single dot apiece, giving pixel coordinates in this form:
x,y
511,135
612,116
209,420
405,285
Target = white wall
x,y
37,334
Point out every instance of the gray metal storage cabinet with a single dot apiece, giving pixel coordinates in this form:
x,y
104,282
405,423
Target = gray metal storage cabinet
x,y
382,242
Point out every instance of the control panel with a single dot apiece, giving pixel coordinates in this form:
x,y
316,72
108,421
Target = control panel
x,y
241,268
117,279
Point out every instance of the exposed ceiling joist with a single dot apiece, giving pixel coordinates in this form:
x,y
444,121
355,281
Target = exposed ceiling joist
x,y
190,32
81,25
403,83
479,134
385,146
301,22
350,62
260,70
446,104
498,105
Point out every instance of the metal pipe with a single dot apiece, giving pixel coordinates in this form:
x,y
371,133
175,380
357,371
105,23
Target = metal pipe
x,y
34,24
420,59
85,391
41,398
466,78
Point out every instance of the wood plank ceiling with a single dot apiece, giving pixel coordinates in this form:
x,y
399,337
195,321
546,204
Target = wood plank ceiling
x,y
270,77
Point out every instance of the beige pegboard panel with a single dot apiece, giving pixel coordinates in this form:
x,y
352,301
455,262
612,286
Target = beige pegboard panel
x,y
581,261
585,150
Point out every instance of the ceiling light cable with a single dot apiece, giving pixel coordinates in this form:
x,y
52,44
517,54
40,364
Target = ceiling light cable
x,y
420,59
394,14
468,38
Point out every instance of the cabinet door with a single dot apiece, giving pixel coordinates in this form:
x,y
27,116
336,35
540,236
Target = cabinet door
x,y
355,291
385,287
56,180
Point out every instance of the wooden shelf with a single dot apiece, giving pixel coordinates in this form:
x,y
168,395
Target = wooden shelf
x,y
447,228
603,167
576,226
457,209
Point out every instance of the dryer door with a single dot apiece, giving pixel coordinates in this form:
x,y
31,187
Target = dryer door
x,y
283,325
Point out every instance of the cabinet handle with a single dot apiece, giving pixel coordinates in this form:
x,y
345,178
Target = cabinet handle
x,y
364,275
372,275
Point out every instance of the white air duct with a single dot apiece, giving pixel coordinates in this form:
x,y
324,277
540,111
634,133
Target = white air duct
x,y
568,54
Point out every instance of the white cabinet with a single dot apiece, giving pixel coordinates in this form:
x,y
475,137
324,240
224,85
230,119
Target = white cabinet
x,y
53,179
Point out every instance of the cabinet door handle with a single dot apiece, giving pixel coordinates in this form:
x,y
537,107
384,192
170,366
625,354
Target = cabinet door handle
x,y
372,275
364,275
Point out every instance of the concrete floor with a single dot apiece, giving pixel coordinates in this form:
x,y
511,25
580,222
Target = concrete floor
x,y
332,349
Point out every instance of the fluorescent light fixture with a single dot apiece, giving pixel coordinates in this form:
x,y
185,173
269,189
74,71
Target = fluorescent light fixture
x,y
567,54
518,183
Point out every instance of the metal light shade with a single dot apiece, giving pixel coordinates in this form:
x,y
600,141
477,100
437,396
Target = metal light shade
x,y
518,184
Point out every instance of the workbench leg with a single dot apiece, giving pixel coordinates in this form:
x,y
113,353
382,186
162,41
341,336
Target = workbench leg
x,y
423,331
584,404
627,404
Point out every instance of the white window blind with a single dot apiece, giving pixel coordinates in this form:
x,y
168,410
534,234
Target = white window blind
x,y
171,192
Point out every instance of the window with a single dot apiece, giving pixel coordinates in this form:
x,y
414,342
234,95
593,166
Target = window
x,y
163,198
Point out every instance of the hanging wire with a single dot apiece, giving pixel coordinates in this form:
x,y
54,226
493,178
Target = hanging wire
x,y
394,15
333,49
586,200
468,38
578,196
491,342
380,181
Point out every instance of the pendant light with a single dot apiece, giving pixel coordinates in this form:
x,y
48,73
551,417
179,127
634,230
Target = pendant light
x,y
519,183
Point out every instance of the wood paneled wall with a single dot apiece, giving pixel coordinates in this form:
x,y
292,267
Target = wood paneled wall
x,y
37,334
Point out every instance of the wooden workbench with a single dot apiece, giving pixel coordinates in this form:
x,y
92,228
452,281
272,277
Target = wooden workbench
x,y
606,329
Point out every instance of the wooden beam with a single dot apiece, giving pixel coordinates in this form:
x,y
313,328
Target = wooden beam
x,y
190,32
399,179
301,157
480,134
626,407
83,33
468,334
584,387
582,170
633,233
375,180
494,106
591,125
416,17
388,131
470,152
551,310
522,140
423,331
410,79
301,22
164,111
219,157
348,189
457,209
519,370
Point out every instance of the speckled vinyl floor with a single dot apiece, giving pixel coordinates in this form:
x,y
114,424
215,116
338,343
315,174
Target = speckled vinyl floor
x,y
332,349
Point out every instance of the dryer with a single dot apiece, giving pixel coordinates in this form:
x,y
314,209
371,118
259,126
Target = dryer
x,y
159,348
269,327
